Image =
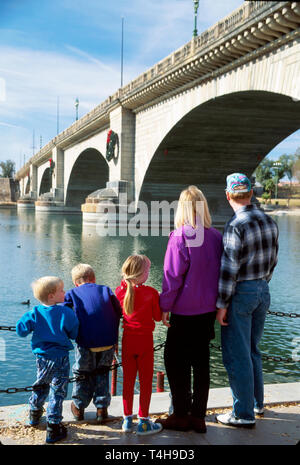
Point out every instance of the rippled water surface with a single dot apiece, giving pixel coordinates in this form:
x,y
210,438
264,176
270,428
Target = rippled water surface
x,y
35,244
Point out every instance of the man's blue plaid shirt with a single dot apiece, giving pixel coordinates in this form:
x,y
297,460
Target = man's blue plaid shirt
x,y
250,243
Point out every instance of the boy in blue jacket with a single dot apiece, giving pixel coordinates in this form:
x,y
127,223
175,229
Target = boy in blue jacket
x,y
98,311
52,326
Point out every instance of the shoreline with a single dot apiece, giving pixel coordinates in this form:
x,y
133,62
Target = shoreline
x,y
8,204
270,209
278,425
281,211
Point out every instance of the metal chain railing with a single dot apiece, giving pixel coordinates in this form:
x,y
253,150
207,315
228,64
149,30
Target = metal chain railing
x,y
281,314
290,315
103,369
115,366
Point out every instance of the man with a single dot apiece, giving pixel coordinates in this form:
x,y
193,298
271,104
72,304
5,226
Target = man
x,y
250,243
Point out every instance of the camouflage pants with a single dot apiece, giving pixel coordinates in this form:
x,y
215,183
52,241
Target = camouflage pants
x,y
53,375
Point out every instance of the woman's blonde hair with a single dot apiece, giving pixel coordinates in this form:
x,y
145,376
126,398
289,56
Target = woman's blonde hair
x,y
82,273
133,268
192,204
44,286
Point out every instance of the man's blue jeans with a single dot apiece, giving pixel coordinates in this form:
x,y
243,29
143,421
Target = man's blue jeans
x,y
240,339
53,375
95,386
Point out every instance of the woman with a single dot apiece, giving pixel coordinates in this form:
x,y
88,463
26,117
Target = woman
x,y
189,293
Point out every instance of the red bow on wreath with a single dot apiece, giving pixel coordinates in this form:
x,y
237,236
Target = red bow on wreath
x,y
52,165
109,136
111,145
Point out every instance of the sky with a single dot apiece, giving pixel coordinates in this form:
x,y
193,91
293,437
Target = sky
x,y
54,51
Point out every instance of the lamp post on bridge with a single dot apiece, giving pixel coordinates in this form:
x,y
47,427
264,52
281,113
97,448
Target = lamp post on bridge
x,y
76,106
196,5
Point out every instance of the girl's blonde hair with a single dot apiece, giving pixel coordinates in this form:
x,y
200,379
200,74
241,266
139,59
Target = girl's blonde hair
x,y
132,269
44,286
192,204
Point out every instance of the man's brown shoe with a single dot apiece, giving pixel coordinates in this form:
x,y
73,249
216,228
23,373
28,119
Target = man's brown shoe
x,y
101,414
78,413
198,424
174,422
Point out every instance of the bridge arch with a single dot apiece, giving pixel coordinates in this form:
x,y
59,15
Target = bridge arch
x,y
233,132
46,182
89,172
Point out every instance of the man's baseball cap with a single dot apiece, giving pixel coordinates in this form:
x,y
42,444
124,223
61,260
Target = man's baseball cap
x,y
237,182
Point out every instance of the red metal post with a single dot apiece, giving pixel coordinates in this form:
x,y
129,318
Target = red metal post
x,y
160,376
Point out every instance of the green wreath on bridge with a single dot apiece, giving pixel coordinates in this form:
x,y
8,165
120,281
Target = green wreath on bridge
x,y
112,145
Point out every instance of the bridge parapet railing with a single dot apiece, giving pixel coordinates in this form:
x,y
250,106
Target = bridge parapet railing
x,y
254,7
225,26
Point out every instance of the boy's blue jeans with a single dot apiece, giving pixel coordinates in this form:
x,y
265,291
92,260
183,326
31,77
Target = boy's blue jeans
x,y
94,387
240,339
54,374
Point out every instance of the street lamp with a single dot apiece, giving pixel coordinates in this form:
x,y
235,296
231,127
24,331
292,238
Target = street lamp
x,y
276,165
76,106
196,5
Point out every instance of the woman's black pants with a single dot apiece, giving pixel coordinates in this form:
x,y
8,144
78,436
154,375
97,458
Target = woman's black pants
x,y
187,353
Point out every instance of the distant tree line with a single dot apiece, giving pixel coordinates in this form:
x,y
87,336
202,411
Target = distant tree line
x,y
268,173
8,169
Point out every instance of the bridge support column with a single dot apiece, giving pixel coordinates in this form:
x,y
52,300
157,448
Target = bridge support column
x,y
58,174
53,201
22,187
28,189
122,121
119,192
33,181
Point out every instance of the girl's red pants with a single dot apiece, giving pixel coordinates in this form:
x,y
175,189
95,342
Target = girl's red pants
x,y
137,357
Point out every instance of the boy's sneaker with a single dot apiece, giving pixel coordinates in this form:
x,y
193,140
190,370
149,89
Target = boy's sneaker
x,y
148,427
101,415
34,417
78,413
127,425
229,419
55,432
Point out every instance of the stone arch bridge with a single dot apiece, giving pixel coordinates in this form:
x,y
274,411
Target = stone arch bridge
x,y
218,104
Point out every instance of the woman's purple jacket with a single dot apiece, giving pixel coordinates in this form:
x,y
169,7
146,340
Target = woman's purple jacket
x,y
191,273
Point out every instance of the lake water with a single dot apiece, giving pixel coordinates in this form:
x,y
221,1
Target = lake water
x,y
34,244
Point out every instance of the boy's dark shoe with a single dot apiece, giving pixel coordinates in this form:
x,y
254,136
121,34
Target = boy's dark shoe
x,y
101,414
176,423
198,424
34,417
78,413
55,432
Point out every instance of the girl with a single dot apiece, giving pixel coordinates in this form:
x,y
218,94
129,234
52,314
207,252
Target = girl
x,y
140,305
